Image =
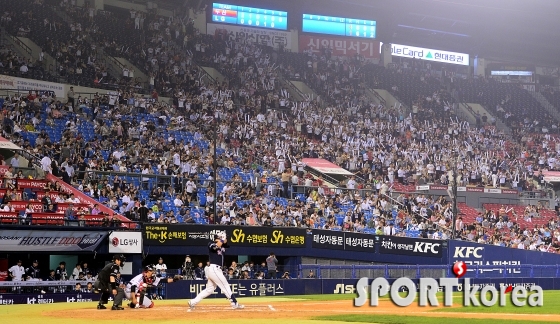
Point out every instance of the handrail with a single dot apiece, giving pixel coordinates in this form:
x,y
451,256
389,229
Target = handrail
x,y
293,87
205,73
18,42
114,60
378,96
58,219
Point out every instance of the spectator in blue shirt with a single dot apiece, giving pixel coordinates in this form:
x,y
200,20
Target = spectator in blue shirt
x,y
69,216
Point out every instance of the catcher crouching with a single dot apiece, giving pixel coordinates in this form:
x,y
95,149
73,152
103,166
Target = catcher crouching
x,y
136,290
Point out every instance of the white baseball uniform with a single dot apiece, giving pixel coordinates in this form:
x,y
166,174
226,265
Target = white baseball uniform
x,y
138,282
215,275
17,272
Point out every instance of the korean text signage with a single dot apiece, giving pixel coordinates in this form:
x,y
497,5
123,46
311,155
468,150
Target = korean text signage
x,y
348,241
125,242
497,259
186,289
36,299
9,82
179,235
55,241
470,189
429,54
269,37
340,46
410,246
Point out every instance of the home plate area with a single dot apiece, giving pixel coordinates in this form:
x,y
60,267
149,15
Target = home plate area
x,y
223,308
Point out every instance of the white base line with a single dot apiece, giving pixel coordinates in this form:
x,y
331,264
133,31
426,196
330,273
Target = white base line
x,y
271,308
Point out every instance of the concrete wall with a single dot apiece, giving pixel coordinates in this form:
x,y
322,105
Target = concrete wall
x,y
199,21
214,73
479,109
388,97
85,90
136,6
295,40
137,72
477,199
303,87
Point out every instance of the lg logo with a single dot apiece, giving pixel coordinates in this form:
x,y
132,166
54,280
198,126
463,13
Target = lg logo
x,y
468,251
127,242
424,247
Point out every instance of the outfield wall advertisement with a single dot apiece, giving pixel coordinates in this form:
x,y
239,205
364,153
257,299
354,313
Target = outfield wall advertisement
x,y
188,289
506,261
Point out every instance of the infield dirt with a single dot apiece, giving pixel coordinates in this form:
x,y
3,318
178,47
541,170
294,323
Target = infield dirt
x,y
274,310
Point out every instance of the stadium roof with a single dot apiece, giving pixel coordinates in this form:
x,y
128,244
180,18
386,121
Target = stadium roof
x,y
517,31
521,30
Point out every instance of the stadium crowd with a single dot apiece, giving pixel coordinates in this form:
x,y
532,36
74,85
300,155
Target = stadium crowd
x,y
262,136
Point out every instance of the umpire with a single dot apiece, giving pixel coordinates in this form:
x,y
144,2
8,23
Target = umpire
x,y
106,283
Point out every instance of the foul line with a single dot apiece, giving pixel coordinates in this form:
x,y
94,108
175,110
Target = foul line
x,y
271,308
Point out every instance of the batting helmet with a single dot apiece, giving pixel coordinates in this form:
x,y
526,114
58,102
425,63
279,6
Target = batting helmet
x,y
220,236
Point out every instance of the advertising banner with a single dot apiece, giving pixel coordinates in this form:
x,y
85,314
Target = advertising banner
x,y
504,258
17,193
22,205
89,201
4,269
5,144
324,239
31,183
325,166
497,191
429,54
50,241
341,46
35,299
10,82
274,38
182,235
125,242
410,246
186,289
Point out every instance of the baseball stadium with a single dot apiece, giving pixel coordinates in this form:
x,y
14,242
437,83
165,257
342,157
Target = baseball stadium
x,y
327,161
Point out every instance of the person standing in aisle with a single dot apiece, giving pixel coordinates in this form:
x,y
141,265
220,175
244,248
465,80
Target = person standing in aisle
x,y
272,265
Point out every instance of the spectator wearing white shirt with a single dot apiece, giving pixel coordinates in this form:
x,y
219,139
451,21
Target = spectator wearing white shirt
x,y
46,164
74,199
191,189
389,230
59,199
9,208
351,184
76,272
178,202
125,199
161,268
14,162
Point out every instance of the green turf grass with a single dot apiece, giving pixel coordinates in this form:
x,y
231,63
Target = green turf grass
x,y
393,319
551,305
